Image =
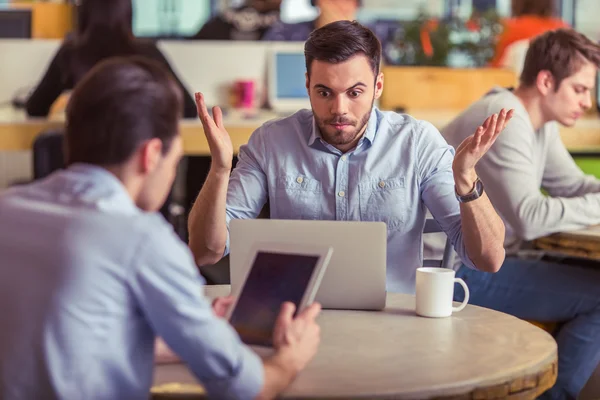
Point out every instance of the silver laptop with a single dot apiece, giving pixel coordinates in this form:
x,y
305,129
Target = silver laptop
x,y
355,277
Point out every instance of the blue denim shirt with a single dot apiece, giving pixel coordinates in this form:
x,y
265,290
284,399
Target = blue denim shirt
x,y
87,280
400,168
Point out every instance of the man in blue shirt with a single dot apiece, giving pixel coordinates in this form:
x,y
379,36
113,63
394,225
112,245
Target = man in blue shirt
x,y
346,160
90,273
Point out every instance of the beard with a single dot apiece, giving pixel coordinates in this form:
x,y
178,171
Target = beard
x,y
348,134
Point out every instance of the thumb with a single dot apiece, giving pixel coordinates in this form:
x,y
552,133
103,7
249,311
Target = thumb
x,y
311,312
284,320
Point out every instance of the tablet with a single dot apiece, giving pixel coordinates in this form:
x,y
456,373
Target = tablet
x,y
277,273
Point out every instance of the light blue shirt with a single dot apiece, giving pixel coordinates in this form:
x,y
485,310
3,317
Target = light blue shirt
x,y
400,167
87,280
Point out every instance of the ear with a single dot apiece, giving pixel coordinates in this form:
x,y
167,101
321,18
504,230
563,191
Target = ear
x,y
545,82
307,82
379,85
150,155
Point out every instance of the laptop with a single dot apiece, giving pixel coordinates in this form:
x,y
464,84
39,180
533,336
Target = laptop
x,y
286,73
356,275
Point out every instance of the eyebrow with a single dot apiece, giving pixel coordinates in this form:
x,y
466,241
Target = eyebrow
x,y
583,85
321,86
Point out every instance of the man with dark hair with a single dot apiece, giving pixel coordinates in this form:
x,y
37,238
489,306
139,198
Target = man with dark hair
x,y
346,160
555,86
90,273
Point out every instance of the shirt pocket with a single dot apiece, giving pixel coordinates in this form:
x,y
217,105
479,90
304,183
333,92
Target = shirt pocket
x,y
383,200
298,196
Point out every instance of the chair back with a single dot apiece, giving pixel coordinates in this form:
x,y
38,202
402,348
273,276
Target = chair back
x,y
48,153
431,226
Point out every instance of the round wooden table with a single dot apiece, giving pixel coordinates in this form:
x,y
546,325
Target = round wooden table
x,y
474,354
584,243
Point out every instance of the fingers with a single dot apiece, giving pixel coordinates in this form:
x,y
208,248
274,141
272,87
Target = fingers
x,y
284,320
487,122
201,106
218,116
509,116
221,305
492,126
501,121
311,312
477,137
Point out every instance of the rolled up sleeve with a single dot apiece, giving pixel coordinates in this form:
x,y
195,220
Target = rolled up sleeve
x,y
247,192
168,289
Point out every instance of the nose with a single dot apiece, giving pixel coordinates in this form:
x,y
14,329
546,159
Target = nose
x,y
587,102
339,105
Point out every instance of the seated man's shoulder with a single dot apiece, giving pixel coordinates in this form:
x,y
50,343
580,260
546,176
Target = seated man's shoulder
x,y
490,103
405,125
282,127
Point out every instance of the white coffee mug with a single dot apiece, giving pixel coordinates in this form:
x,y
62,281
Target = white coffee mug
x,y
435,292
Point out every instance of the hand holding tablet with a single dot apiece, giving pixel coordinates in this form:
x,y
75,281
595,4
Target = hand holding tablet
x,y
279,273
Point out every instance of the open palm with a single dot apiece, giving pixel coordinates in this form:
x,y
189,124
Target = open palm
x,y
475,146
219,142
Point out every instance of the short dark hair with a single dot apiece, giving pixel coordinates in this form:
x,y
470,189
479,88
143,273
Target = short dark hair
x,y
121,103
339,41
562,52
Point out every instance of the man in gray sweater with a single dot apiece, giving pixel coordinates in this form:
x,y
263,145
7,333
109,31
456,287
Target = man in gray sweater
x,y
555,87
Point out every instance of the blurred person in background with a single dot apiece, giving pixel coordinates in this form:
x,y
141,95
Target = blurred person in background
x,y
329,11
248,22
104,29
530,18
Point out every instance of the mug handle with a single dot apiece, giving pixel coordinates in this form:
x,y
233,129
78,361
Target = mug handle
x,y
466,299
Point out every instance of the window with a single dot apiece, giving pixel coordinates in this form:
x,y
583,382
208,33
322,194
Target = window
x,y
170,18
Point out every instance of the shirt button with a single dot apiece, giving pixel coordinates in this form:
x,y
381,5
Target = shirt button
x,y
299,179
341,193
343,158
382,184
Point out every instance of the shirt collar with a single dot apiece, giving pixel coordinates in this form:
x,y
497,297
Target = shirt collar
x,y
369,134
104,188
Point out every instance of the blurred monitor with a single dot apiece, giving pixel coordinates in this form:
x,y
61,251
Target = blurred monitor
x,y
15,24
287,78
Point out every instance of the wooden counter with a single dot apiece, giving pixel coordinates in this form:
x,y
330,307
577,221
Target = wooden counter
x,y
18,132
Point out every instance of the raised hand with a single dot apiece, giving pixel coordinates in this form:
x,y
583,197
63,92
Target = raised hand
x,y
219,142
475,146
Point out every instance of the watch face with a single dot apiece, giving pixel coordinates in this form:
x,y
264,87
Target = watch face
x,y
475,193
479,187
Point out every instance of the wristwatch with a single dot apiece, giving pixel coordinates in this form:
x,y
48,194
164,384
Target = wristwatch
x,y
473,194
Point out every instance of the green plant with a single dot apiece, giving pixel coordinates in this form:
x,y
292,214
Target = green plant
x,y
449,42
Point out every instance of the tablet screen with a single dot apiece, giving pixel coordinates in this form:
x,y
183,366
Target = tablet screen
x,y
273,279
